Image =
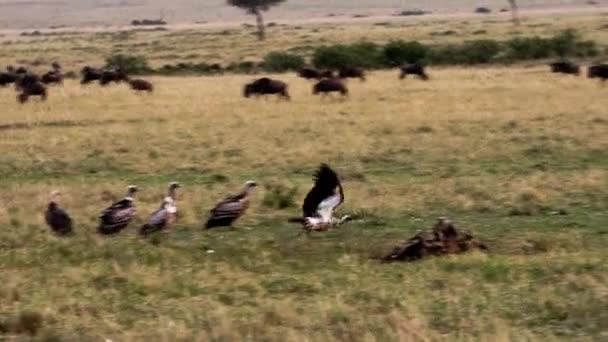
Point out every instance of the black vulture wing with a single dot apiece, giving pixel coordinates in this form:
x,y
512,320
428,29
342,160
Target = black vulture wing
x,y
58,219
322,199
227,211
116,217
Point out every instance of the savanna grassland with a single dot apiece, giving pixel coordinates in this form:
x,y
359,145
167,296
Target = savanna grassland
x,y
513,153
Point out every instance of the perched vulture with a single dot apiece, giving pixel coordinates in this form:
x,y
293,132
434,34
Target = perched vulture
x,y
231,208
57,219
322,200
118,216
165,216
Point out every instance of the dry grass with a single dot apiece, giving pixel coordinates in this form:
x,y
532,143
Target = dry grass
x,y
516,154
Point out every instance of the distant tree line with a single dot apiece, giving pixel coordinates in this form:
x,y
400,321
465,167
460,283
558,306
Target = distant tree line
x,y
566,44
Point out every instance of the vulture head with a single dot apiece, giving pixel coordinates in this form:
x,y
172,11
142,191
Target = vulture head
x,y
250,185
171,194
131,190
55,194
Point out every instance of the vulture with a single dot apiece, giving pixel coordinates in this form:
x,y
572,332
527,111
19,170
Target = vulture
x,y
57,219
231,208
322,200
118,216
165,216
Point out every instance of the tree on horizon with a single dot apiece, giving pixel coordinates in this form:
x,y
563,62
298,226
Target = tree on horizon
x,y
256,7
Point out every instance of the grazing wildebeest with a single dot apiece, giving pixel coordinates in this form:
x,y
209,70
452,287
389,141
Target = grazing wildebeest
x,y
7,78
24,80
21,70
90,74
113,75
565,67
598,71
413,69
141,85
266,86
352,72
53,76
32,89
330,85
311,73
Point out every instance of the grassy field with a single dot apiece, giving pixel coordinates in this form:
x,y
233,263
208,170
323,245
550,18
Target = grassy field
x,y
78,48
517,155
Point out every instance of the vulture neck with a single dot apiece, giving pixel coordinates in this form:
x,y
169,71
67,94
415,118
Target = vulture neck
x,y
130,195
172,193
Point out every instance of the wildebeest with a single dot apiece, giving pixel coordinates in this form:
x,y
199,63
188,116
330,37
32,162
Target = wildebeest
x,y
113,75
90,74
53,76
565,67
352,72
21,70
266,86
24,80
32,89
330,85
598,71
141,85
311,73
7,78
413,69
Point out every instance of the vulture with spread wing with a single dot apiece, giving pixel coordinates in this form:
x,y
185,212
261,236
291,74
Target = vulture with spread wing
x,y
118,216
322,200
57,219
166,215
231,208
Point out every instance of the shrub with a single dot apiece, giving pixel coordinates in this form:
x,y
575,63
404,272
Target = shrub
x,y
398,52
564,43
189,68
473,52
129,63
246,67
364,54
528,48
282,61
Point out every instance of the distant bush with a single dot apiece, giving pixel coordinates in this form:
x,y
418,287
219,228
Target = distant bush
x,y
398,52
413,12
281,62
473,52
527,48
364,54
190,68
129,63
569,43
246,67
148,22
565,44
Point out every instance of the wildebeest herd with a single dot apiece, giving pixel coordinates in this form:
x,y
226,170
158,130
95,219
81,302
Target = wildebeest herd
x,y
30,84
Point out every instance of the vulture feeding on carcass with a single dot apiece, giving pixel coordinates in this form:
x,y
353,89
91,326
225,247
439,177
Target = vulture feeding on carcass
x,y
323,199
